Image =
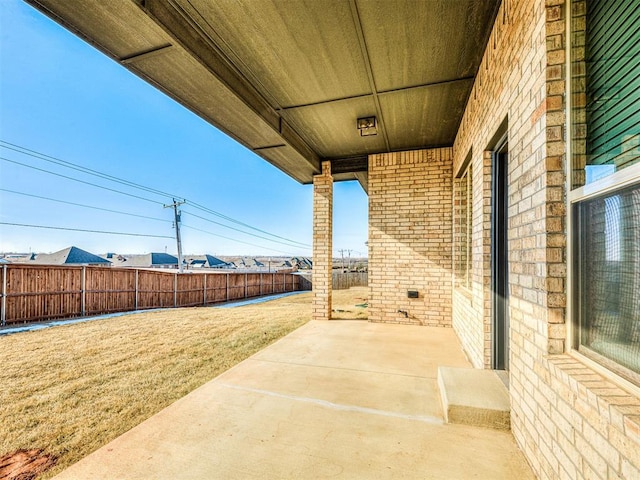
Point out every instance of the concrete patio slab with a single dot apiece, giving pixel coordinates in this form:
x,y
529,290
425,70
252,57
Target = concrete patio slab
x,y
344,399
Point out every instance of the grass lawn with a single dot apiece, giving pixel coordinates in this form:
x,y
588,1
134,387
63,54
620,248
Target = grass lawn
x,y
71,389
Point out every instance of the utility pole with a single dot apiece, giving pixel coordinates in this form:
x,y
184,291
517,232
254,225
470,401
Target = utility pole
x,y
176,214
349,259
349,267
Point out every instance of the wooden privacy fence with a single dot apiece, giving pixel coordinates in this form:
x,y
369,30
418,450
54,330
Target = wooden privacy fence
x,y
343,281
32,293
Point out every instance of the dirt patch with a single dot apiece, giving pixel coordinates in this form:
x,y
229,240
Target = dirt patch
x,y
350,304
25,464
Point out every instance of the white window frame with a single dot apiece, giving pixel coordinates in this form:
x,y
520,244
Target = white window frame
x,y
617,180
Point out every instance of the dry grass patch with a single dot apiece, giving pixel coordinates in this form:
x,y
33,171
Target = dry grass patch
x,y
347,304
69,390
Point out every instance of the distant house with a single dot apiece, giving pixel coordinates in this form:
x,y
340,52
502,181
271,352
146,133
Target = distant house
x,y
17,257
248,262
196,262
69,256
145,260
245,262
302,263
206,261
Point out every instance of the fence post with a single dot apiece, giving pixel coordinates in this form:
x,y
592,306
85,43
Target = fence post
x,y
83,290
175,290
204,290
226,297
261,284
135,301
273,283
246,285
3,320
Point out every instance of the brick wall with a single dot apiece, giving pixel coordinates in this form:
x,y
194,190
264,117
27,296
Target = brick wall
x,y
570,420
322,243
471,308
410,234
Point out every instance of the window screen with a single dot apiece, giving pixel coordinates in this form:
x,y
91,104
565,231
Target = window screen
x,y
608,270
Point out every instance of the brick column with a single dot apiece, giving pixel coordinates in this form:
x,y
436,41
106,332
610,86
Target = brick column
x,y
322,243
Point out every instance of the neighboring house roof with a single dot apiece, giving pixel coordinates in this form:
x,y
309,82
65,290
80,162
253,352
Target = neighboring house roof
x,y
70,256
163,259
206,261
249,262
302,262
4,260
215,262
146,260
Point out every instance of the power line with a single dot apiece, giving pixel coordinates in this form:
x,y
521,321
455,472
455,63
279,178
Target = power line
x,y
84,230
145,216
80,181
84,206
230,219
80,168
73,166
297,244
235,240
139,216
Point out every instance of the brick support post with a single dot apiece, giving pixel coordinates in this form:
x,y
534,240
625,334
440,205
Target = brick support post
x,y
322,242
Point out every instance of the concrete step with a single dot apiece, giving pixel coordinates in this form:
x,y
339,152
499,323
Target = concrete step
x,y
474,397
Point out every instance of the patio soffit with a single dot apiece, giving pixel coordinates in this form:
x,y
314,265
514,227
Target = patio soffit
x,y
289,78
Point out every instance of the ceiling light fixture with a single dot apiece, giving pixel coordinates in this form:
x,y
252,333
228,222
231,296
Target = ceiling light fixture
x,y
367,126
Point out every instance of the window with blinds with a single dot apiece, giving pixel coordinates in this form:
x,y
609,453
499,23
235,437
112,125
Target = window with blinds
x,y
612,61
605,155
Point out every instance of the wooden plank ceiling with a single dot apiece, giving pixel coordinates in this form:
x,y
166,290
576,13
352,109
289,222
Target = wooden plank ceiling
x,y
289,78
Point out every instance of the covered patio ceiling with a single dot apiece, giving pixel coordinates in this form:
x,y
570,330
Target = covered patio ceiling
x,y
288,79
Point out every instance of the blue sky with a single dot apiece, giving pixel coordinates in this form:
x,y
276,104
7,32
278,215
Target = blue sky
x,y
62,98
